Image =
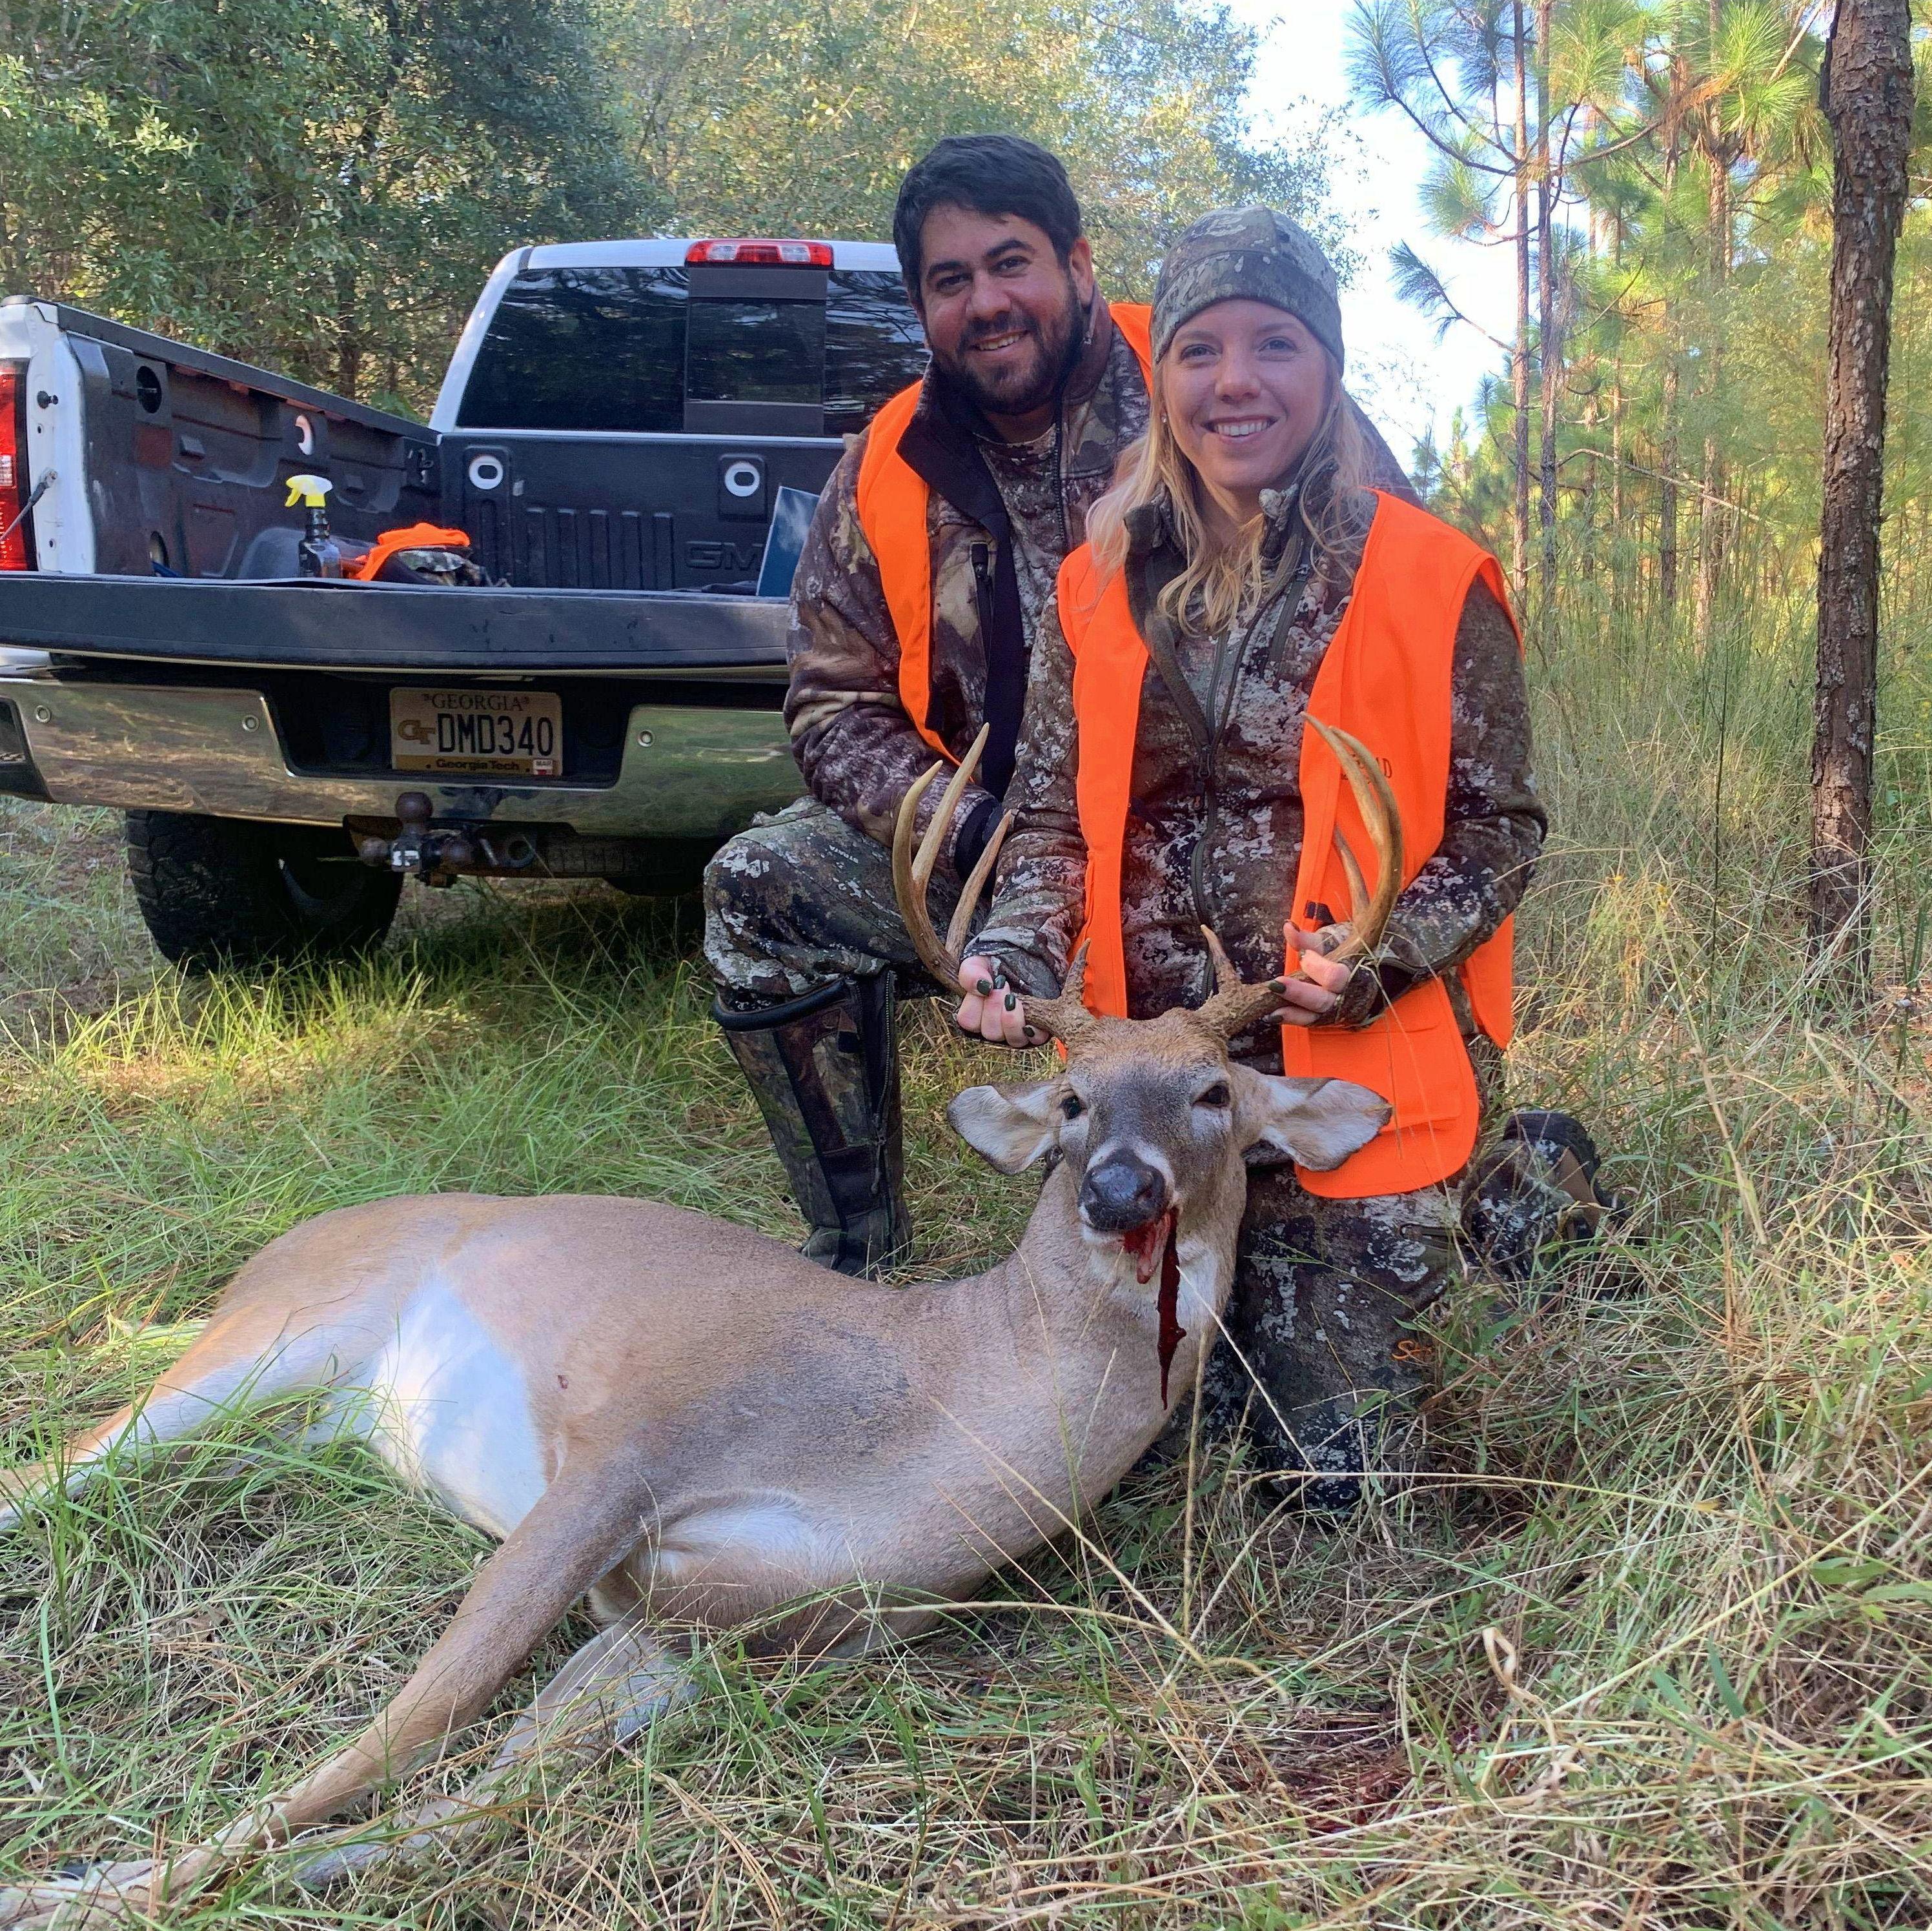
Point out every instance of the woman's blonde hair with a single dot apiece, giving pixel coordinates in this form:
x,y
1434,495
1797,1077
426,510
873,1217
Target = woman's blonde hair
x,y
1218,585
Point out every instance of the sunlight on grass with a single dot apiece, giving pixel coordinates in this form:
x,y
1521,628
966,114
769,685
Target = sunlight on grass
x,y
1654,1650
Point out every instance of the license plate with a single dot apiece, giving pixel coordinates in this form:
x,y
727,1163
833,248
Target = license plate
x,y
520,731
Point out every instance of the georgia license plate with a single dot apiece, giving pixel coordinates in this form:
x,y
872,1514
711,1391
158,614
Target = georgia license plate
x,y
518,732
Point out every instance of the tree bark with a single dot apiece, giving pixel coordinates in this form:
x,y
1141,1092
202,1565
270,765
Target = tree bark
x,y
1617,450
1867,93
1549,348
1711,525
1519,361
1666,495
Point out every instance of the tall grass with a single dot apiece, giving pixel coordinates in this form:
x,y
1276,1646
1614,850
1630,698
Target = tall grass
x,y
1655,1650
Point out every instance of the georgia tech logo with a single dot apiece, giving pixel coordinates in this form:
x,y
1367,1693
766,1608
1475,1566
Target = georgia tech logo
x,y
416,731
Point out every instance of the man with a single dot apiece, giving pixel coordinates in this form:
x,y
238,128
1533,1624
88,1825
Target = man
x,y
936,544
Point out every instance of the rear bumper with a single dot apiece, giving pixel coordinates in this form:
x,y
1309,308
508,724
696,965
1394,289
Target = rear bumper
x,y
686,772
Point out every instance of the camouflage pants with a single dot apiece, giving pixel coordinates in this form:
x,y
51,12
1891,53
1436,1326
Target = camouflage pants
x,y
802,898
1317,1365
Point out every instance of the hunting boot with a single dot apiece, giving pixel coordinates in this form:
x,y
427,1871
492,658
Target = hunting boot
x,y
1532,1195
824,1070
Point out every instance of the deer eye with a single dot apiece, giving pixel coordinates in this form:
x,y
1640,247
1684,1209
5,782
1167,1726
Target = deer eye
x,y
1216,1095
1071,1106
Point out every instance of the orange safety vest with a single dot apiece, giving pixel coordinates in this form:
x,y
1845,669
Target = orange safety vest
x,y
1386,679
892,502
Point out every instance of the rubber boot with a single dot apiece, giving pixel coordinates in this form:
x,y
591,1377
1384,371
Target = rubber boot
x,y
824,1070
1532,1195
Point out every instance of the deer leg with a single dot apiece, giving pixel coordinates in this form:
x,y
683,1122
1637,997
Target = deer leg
x,y
582,1526
239,1361
614,1687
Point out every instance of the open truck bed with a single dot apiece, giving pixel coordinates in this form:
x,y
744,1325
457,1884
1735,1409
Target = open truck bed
x,y
619,427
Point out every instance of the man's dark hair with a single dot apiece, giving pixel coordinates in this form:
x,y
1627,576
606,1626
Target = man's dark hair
x,y
990,174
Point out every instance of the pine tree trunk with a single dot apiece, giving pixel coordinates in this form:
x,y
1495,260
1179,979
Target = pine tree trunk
x,y
1666,498
1710,535
1617,449
1868,99
1710,498
1549,349
1519,360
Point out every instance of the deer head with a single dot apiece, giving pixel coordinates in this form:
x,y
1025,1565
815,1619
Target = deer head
x,y
1155,1122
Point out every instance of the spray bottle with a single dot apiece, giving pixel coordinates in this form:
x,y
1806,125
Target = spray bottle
x,y
319,554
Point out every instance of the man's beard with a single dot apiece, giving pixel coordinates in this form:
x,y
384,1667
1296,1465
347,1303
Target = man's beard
x,y
1056,346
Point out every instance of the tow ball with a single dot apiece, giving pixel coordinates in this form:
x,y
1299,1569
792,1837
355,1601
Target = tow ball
x,y
437,857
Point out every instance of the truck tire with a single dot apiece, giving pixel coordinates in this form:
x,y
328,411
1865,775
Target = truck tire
x,y
227,892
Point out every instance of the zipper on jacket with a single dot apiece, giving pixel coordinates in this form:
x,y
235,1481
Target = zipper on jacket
x,y
1229,666
982,589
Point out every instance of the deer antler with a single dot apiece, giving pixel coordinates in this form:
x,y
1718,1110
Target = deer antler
x,y
1235,1004
1375,800
912,874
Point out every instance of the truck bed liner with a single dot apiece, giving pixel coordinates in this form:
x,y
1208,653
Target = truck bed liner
x,y
347,626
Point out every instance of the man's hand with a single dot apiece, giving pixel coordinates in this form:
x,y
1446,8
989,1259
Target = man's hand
x,y
992,1010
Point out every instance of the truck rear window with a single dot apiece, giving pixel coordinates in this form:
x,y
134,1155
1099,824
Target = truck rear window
x,y
624,349
583,349
755,351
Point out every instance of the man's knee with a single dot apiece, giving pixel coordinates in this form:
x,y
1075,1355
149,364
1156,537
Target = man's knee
x,y
744,874
749,889
798,899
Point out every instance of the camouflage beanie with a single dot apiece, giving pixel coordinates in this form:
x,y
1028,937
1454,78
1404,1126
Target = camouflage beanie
x,y
1253,253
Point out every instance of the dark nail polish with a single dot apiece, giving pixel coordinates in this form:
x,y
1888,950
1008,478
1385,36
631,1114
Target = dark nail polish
x,y
982,987
1011,1002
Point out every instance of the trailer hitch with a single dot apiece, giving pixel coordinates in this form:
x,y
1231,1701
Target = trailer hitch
x,y
437,857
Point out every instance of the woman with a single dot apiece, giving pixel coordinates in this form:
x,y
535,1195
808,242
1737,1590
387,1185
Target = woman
x,y
1237,576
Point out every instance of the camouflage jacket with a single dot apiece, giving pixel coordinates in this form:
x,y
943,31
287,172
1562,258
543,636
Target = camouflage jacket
x,y
1238,876
853,741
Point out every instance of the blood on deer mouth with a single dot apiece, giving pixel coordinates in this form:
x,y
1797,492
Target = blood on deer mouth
x,y
1147,1243
1152,1246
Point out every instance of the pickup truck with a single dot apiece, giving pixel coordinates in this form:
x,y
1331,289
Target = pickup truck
x,y
617,423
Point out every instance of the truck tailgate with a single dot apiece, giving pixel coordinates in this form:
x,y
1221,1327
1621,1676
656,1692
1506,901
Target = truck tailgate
x,y
347,626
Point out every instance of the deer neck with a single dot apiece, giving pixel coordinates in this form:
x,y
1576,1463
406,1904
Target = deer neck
x,y
1082,1295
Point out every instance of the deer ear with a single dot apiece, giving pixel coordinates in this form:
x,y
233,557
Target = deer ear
x,y
1314,1123
1008,1126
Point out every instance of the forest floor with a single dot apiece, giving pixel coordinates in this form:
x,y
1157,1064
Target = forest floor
x,y
1654,1649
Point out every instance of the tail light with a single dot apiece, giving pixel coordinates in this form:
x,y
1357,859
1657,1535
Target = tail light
x,y
17,542
761,254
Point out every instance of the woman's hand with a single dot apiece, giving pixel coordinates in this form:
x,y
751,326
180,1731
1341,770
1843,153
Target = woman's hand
x,y
1310,999
992,1009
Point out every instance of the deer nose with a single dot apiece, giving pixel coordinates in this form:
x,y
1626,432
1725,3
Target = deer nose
x,y
1122,1192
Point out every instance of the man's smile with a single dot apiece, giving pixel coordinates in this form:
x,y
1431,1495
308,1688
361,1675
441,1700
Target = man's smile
x,y
1000,344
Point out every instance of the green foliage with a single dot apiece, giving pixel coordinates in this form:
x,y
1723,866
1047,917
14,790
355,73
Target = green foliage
x,y
316,184
321,185
1691,170
760,116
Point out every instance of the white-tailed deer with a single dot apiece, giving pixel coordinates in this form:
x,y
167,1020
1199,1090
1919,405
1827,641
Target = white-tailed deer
x,y
696,1427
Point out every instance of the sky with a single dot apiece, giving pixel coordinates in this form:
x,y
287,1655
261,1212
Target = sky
x,y
1397,370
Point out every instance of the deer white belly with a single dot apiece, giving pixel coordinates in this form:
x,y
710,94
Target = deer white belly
x,y
446,1407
